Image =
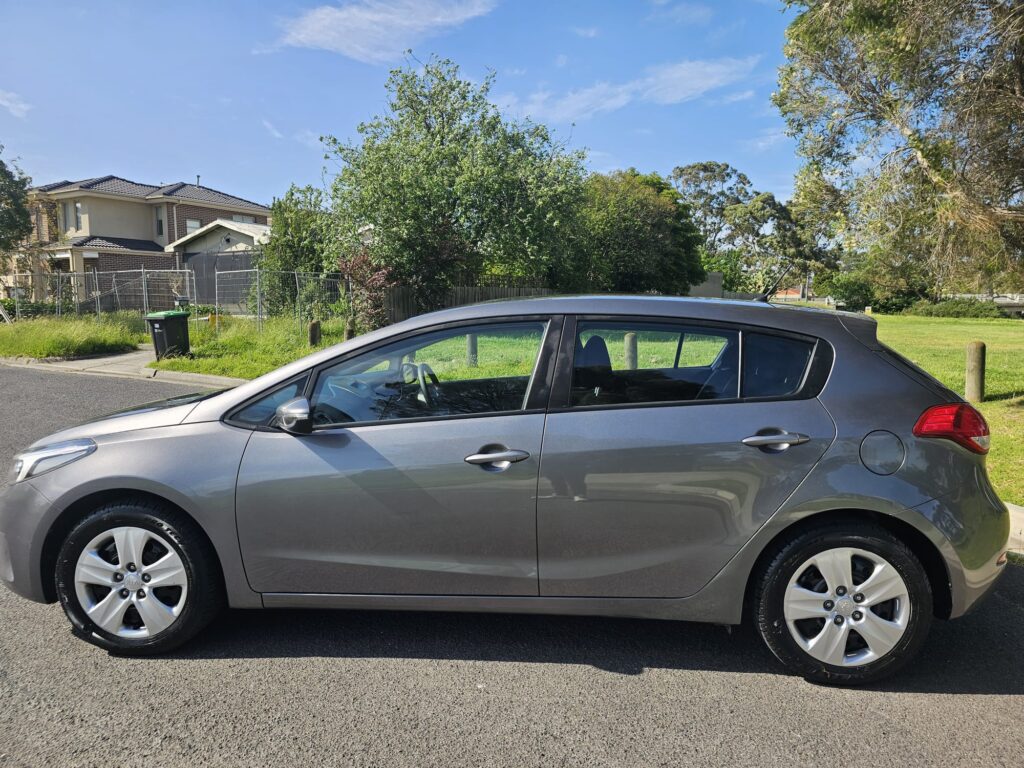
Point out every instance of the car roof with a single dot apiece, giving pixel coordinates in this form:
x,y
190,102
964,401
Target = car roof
x,y
821,322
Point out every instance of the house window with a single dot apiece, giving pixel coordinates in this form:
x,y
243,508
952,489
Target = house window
x,y
243,219
78,215
159,222
191,225
65,209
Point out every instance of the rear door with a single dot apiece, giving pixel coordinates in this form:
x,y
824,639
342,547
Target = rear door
x,y
666,449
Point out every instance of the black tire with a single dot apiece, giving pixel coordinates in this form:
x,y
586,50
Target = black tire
x,y
205,597
768,599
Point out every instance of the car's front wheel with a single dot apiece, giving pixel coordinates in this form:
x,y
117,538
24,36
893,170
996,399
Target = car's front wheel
x,y
844,605
137,578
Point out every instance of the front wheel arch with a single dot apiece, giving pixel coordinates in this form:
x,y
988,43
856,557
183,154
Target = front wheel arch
x,y
71,515
925,551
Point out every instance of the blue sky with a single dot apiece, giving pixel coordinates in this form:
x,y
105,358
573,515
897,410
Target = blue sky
x,y
238,92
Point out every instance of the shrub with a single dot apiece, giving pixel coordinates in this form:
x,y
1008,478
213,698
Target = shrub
x,y
955,308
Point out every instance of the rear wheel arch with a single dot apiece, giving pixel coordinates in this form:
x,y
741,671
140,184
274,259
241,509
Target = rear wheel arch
x,y
918,543
75,512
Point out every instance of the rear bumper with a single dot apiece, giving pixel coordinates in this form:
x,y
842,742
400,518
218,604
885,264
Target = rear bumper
x,y
976,527
22,510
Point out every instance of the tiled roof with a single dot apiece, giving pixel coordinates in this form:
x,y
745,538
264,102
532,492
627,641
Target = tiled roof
x,y
115,244
115,185
206,195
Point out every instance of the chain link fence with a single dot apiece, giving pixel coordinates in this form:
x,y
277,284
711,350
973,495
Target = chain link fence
x,y
74,294
253,295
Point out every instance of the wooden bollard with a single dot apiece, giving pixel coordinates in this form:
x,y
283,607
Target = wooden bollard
x,y
314,333
472,358
630,343
350,327
974,387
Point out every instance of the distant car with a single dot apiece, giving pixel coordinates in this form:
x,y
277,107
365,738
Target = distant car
x,y
617,456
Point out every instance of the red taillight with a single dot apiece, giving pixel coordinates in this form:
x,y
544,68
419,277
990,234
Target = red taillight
x,y
958,422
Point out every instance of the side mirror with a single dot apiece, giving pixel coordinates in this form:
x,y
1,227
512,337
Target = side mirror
x,y
294,417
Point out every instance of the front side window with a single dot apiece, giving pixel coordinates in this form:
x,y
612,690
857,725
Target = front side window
x,y
66,215
642,362
159,222
467,370
78,215
191,225
241,219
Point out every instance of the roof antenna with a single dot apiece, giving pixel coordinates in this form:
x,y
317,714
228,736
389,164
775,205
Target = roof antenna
x,y
763,298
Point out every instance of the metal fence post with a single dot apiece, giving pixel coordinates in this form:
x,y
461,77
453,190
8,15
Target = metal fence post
x,y
298,300
96,291
17,296
216,302
259,302
145,293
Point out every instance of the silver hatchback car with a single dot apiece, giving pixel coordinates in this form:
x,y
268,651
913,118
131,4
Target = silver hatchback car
x,y
618,456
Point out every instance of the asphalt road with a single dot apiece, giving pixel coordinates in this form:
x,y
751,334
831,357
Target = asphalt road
x,y
281,688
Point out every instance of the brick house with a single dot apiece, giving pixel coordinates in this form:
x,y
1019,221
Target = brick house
x,y
109,223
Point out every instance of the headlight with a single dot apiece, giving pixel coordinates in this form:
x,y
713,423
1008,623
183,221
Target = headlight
x,y
39,460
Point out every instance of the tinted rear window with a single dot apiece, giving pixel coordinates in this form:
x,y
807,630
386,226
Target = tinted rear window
x,y
773,366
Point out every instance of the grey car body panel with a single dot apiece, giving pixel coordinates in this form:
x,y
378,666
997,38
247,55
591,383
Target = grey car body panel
x,y
392,508
189,456
639,500
194,466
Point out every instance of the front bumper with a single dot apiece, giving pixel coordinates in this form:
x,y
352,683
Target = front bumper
x,y
23,514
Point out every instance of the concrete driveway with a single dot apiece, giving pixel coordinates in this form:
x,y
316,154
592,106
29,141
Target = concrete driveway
x,y
322,688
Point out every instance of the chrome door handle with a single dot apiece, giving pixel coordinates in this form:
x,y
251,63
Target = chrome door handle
x,y
773,439
498,457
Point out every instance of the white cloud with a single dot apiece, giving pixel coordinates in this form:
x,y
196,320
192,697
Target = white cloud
x,y
309,138
14,104
515,71
666,84
684,13
561,60
378,31
586,31
272,130
732,98
768,139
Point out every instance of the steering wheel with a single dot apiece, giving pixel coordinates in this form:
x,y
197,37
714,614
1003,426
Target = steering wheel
x,y
423,373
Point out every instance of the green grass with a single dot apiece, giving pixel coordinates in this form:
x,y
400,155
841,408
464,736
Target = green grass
x,y
239,350
936,344
78,337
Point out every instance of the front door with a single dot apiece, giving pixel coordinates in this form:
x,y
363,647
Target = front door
x,y
647,487
420,477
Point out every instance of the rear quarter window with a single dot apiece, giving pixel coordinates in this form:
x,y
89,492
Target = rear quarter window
x,y
773,366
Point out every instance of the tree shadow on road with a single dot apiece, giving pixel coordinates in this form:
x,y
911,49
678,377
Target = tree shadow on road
x,y
977,654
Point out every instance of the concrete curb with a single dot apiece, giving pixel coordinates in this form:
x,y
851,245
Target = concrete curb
x,y
206,379
1016,528
126,365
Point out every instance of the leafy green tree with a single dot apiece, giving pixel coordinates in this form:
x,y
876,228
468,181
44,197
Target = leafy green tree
x,y
299,242
15,218
299,232
637,236
766,240
915,109
452,190
709,188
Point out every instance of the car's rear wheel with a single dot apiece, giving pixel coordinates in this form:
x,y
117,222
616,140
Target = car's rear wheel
x,y
137,578
844,605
